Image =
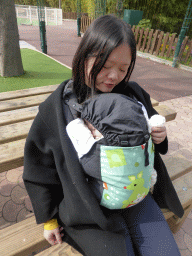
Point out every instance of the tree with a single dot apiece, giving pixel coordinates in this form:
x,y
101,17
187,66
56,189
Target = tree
x,y
10,56
69,5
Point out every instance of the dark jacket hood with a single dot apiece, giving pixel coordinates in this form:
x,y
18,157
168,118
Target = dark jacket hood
x,y
115,115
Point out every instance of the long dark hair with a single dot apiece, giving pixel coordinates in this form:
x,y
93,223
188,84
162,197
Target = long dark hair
x,y
100,39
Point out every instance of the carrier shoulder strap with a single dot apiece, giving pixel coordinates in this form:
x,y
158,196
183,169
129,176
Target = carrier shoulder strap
x,y
70,100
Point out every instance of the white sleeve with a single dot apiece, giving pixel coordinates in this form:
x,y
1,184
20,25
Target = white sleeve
x,y
80,136
153,177
146,115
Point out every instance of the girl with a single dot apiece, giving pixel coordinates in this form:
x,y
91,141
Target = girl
x,y
54,178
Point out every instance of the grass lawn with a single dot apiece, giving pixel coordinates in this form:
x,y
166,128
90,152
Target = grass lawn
x,y
39,70
26,21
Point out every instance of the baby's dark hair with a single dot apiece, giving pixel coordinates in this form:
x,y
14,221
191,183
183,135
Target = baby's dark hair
x,y
103,35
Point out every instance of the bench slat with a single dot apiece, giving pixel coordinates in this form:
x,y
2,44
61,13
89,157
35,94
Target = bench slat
x,y
26,237
165,111
22,238
177,166
183,186
60,249
175,222
28,113
154,102
15,131
11,155
19,115
27,92
22,102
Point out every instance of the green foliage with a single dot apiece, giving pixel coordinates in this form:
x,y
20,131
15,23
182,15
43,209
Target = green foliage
x,y
171,8
88,6
48,3
167,24
69,5
91,8
164,15
26,2
52,3
134,4
111,6
144,23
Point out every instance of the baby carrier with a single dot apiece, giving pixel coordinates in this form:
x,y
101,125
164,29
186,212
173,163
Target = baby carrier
x,y
119,166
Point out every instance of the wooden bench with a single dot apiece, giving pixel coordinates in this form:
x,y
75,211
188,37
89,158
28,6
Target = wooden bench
x,y
18,110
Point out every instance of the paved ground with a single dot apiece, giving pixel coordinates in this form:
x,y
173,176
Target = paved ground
x,y
172,87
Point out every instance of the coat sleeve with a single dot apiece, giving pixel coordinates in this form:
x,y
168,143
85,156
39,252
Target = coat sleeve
x,y
40,175
162,148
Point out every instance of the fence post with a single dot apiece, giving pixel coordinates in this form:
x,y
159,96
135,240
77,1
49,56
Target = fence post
x,y
46,20
36,13
149,41
166,39
160,38
56,16
183,47
154,42
78,18
41,16
17,13
30,14
185,27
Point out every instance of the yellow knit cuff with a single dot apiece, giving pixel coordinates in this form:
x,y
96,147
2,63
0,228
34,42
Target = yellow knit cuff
x,y
51,224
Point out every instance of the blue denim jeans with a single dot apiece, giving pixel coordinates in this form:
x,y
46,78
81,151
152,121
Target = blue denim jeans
x,y
144,227
146,230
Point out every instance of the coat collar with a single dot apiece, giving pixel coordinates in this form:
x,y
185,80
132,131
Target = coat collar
x,y
133,90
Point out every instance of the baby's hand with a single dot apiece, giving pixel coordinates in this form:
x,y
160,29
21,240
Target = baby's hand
x,y
96,134
158,134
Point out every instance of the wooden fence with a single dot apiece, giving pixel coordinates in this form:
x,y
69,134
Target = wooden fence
x,y
72,15
155,42
85,22
158,43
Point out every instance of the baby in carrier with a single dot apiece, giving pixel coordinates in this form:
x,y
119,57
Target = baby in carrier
x,y
113,143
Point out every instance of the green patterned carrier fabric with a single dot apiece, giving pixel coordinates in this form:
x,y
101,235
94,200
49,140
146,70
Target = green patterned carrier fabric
x,y
126,180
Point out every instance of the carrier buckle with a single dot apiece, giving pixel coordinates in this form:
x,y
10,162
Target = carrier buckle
x,y
124,142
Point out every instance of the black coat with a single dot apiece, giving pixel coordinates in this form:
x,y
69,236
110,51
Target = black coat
x,y
57,185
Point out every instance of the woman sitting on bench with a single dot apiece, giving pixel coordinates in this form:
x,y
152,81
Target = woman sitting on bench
x,y
53,175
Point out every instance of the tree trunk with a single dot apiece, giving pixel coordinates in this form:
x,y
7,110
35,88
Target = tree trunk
x,y
10,56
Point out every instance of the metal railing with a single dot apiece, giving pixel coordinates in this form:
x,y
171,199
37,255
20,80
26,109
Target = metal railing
x,y
27,14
